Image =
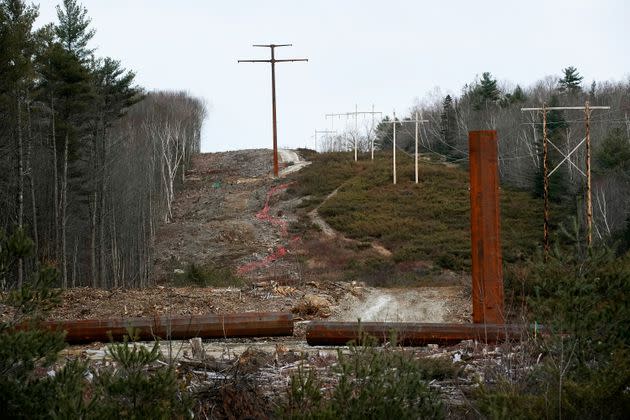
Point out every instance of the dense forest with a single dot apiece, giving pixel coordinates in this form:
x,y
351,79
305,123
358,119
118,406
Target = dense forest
x,y
486,104
89,159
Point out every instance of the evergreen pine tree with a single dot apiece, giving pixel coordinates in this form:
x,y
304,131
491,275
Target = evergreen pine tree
x,y
518,95
486,92
114,88
72,30
488,88
17,45
447,127
591,93
570,82
385,133
613,153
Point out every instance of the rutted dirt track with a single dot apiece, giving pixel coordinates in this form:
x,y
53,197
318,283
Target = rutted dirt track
x,y
232,214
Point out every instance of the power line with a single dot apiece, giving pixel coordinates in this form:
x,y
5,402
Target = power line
x,y
394,122
273,62
587,109
356,114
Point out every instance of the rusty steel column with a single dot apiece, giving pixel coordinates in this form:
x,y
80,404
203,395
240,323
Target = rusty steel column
x,y
273,112
487,271
248,324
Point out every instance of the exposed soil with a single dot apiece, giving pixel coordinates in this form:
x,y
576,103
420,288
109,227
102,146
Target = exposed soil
x,y
427,304
232,214
213,219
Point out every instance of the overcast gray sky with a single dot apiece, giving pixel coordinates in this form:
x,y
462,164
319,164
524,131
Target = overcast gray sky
x,y
386,53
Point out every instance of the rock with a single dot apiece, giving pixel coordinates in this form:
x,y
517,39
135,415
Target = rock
x,y
312,304
284,290
178,271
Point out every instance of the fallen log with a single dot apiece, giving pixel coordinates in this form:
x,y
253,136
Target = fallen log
x,y
410,333
248,324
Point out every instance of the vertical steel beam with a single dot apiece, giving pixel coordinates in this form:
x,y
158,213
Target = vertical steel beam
x,y
487,272
273,108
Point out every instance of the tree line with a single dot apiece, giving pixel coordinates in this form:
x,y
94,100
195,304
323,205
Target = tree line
x,y
90,161
487,104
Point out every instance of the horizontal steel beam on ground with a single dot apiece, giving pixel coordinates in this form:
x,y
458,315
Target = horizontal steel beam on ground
x,y
249,324
564,108
411,333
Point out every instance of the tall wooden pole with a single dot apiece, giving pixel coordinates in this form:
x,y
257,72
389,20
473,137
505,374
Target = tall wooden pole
x,y
546,173
394,122
589,202
356,130
545,184
374,134
273,62
394,148
487,271
416,161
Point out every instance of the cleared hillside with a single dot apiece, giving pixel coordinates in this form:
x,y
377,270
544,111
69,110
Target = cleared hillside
x,y
429,221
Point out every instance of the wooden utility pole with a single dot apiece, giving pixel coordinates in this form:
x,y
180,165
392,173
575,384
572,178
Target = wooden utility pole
x,y
356,114
589,201
545,183
417,121
374,136
416,150
356,131
273,62
394,148
567,158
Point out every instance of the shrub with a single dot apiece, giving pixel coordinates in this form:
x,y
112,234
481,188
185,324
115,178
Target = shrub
x,y
30,385
137,387
208,276
373,383
428,221
582,299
